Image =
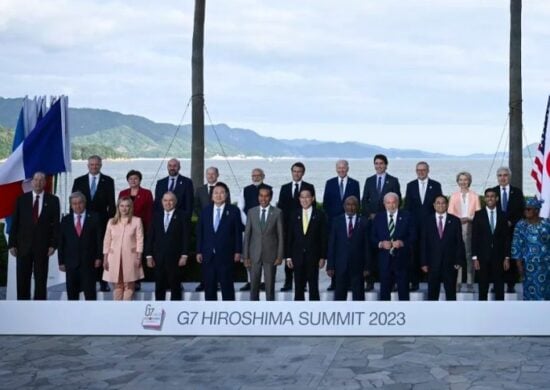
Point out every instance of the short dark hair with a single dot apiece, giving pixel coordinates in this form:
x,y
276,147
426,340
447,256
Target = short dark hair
x,y
441,196
304,189
223,185
266,187
380,157
494,191
298,164
133,172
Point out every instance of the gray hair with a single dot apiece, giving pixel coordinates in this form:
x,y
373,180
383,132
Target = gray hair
x,y
77,195
391,195
345,162
505,169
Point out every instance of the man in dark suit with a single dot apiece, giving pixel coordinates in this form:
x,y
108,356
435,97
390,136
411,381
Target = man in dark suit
x,y
490,246
306,248
166,249
348,248
337,190
376,187
442,250
263,246
99,190
34,237
80,252
180,185
203,194
203,197
419,200
219,244
289,202
247,200
511,203
392,234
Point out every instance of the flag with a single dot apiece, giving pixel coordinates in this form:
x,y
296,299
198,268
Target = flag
x,y
541,169
44,149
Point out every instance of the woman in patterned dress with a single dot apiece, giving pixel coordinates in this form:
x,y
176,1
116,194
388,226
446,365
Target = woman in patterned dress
x,y
531,250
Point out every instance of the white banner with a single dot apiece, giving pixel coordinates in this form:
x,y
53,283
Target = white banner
x,y
275,318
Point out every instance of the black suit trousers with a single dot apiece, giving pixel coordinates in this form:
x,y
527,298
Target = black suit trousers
x,y
81,279
213,274
306,271
167,277
26,266
448,277
491,271
346,280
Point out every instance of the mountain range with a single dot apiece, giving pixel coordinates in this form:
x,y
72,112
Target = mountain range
x,y
115,135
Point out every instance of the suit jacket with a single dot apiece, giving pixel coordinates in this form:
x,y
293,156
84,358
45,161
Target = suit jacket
x,y
442,253
372,201
455,204
122,242
224,242
104,199
80,252
184,193
288,203
265,245
29,237
168,246
202,198
516,204
490,246
311,246
413,203
404,231
348,253
332,203
143,205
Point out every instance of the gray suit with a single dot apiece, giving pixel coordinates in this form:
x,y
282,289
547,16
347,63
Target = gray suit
x,y
263,247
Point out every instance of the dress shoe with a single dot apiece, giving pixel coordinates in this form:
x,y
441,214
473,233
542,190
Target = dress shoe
x,y
286,287
369,286
200,287
414,287
104,286
262,286
510,289
137,286
246,287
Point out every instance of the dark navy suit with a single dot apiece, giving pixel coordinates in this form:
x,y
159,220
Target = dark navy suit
x,y
218,249
420,212
184,193
347,257
372,201
441,255
333,204
393,267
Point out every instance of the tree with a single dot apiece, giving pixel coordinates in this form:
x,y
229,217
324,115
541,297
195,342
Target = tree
x,y
197,102
515,97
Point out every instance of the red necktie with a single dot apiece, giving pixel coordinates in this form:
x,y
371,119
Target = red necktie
x,y
350,227
78,226
35,209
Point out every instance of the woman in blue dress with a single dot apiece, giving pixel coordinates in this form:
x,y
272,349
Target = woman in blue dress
x,y
531,250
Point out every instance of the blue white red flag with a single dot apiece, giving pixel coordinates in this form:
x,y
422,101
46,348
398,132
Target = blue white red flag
x,y
541,168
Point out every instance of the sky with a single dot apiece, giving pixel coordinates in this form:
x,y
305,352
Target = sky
x,y
422,74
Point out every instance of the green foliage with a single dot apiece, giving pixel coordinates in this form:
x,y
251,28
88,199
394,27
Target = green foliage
x,y
6,141
82,152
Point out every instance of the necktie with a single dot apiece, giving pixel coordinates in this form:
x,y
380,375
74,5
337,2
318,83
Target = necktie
x,y
440,226
262,219
379,185
305,221
210,188
218,218
78,225
423,191
391,226
172,184
35,209
166,221
504,199
93,187
296,193
350,226
492,220
341,188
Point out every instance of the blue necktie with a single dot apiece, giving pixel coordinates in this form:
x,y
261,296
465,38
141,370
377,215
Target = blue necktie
x,y
342,189
218,218
93,187
504,199
379,186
